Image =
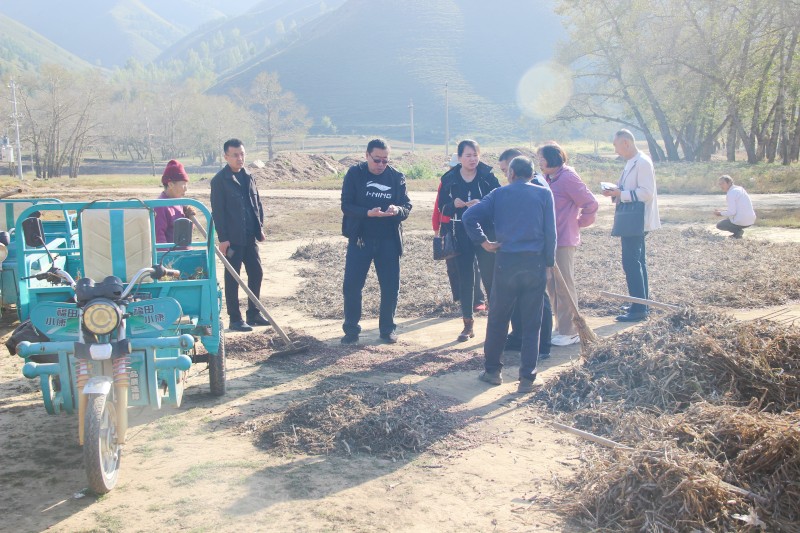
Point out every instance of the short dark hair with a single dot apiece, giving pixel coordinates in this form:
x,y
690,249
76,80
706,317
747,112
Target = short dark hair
x,y
468,142
625,134
727,179
231,143
378,143
510,154
553,154
522,167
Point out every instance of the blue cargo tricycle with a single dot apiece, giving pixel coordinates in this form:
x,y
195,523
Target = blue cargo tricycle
x,y
118,324
59,232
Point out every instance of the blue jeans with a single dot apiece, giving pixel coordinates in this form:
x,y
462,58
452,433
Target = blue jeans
x,y
386,255
519,278
634,264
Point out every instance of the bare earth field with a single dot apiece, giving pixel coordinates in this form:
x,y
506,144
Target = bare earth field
x,y
448,454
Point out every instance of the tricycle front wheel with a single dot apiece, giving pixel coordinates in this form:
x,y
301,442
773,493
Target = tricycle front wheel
x,y
101,452
216,367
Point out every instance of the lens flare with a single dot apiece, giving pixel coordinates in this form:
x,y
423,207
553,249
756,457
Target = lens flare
x,y
544,90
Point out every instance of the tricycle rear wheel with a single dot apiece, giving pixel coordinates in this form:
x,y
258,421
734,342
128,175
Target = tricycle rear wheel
x,y
217,367
101,452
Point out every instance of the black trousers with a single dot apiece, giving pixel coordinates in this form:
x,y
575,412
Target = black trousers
x,y
385,253
246,255
546,334
726,225
519,278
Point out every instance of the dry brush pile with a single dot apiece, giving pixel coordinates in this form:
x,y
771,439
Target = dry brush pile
x,y
391,421
709,409
685,267
262,347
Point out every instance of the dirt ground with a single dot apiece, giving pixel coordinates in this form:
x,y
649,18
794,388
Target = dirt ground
x,y
196,468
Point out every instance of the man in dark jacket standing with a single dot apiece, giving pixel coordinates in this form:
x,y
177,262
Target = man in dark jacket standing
x,y
525,225
239,217
374,203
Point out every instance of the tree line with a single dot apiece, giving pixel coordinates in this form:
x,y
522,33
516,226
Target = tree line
x,y
690,76
66,117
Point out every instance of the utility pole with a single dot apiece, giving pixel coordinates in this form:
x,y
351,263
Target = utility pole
x,y
16,123
150,142
446,123
411,107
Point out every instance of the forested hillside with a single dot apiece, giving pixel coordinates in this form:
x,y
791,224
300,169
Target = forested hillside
x,y
24,51
362,64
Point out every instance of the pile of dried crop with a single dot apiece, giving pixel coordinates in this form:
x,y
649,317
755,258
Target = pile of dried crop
x,y
260,346
709,408
671,490
390,420
743,273
424,289
687,357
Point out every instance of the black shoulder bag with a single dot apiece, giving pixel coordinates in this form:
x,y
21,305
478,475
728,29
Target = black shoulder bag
x,y
628,216
444,244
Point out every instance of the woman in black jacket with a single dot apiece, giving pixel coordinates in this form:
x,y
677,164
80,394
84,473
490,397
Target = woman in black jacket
x,y
462,187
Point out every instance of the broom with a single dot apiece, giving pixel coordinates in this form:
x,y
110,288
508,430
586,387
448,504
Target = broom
x,y
587,336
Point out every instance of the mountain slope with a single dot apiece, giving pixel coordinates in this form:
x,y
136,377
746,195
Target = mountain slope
x,y
226,43
23,50
109,32
363,63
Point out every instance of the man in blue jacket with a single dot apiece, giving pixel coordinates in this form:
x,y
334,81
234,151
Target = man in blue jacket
x,y
524,222
374,204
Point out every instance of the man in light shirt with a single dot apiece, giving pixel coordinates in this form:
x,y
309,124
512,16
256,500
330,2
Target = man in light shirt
x,y
637,183
739,214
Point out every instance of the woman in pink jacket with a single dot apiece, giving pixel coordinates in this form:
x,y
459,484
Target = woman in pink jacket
x,y
576,207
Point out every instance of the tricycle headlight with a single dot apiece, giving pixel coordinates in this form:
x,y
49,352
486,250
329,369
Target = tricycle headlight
x,y
101,317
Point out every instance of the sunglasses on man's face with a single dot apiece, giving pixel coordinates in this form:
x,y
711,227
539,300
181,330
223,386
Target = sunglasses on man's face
x,y
379,161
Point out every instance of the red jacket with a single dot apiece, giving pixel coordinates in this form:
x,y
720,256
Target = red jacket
x,y
438,218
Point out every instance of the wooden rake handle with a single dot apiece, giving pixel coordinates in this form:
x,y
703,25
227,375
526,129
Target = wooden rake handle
x,y
242,284
11,192
633,299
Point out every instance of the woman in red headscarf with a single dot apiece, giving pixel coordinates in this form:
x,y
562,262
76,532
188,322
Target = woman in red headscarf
x,y
175,181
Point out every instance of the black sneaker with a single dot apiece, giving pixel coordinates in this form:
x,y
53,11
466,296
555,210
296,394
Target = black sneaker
x,y
526,385
494,378
257,320
543,356
632,317
350,338
240,325
389,338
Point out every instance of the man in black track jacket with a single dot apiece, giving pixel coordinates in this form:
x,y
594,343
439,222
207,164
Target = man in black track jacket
x,y
374,203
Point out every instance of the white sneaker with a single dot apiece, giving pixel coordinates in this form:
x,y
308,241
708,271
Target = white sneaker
x,y
565,340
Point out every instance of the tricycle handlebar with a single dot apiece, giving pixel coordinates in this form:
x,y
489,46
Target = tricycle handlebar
x,y
54,275
156,272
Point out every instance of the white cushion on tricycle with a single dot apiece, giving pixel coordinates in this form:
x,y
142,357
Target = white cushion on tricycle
x,y
100,257
9,212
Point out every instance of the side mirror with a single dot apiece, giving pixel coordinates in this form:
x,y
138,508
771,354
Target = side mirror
x,y
182,232
34,233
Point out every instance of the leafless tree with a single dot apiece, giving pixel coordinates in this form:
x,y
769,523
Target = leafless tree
x,y
281,115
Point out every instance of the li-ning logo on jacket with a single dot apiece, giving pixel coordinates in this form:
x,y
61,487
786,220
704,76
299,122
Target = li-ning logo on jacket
x,y
381,187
